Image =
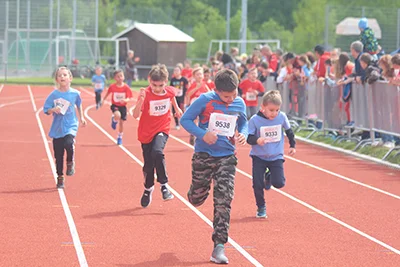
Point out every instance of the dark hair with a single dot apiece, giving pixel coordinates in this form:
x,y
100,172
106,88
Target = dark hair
x,y
158,73
319,49
117,71
396,59
226,80
366,58
264,65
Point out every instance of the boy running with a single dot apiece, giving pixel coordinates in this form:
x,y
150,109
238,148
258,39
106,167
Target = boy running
x,y
221,114
153,108
98,82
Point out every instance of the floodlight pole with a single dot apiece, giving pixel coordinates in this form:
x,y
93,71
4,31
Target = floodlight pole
x,y
74,13
228,23
243,27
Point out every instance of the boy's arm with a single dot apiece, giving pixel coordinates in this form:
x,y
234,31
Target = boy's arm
x,y
139,103
105,97
178,111
289,132
242,125
78,104
252,137
48,107
191,114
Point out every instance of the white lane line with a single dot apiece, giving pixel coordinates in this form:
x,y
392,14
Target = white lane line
x,y
74,232
15,102
373,239
190,206
1,88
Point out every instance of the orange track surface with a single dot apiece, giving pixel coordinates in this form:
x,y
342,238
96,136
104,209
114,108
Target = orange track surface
x,y
104,199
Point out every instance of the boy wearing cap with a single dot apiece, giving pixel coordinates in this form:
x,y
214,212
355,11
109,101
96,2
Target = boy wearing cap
x,y
367,37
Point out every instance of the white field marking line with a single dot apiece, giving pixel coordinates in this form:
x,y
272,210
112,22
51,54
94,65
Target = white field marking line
x,y
74,232
1,88
190,206
16,102
373,239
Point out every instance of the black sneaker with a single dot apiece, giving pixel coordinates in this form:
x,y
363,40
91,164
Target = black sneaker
x,y
267,179
70,168
60,182
146,197
166,194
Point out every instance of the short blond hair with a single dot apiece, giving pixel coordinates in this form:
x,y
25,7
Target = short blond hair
x,y
272,97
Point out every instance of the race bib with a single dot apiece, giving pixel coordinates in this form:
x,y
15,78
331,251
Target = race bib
x,y
179,92
251,96
159,107
118,97
271,133
98,86
222,124
63,104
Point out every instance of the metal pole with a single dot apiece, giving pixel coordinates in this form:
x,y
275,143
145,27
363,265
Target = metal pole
x,y
74,13
228,23
17,43
51,34
58,34
398,29
363,11
6,41
96,50
243,27
28,26
326,26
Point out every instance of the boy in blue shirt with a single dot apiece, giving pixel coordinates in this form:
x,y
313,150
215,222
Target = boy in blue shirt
x,y
98,81
266,138
61,103
221,113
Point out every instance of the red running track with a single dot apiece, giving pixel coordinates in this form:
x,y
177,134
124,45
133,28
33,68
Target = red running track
x,y
114,230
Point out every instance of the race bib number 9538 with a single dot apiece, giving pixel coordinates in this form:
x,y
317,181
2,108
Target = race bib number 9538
x,y
222,124
271,133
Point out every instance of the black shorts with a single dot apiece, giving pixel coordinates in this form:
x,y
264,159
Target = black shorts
x,y
121,109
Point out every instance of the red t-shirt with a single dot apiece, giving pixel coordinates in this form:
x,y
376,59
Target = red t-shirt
x,y
348,69
156,114
320,69
199,91
251,99
210,84
187,73
118,93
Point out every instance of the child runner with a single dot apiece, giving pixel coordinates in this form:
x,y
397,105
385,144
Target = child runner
x,y
180,83
61,103
98,81
266,138
221,113
207,78
251,88
121,94
153,108
196,88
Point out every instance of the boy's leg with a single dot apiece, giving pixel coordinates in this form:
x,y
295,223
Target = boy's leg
x,y
258,171
58,146
157,154
202,168
175,118
98,97
122,113
115,117
69,146
224,181
278,179
148,173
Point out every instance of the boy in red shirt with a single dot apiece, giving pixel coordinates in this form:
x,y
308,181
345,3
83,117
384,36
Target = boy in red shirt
x,y
251,88
153,108
121,94
207,78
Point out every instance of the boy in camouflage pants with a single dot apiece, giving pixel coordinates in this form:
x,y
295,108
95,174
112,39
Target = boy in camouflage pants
x,y
222,113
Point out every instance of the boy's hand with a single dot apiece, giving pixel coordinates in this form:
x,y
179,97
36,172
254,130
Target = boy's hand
x,y
261,141
358,79
142,94
178,113
210,138
241,139
292,151
83,122
57,110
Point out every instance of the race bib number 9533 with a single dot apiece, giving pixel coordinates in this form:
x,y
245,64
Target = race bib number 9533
x,y
222,124
271,133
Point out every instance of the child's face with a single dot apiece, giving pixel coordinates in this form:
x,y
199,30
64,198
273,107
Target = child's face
x,y
396,67
157,86
363,65
99,71
199,76
177,72
301,63
119,77
382,66
252,75
227,97
270,110
63,78
206,76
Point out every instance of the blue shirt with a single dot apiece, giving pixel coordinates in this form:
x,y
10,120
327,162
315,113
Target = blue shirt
x,y
99,82
203,107
67,123
273,150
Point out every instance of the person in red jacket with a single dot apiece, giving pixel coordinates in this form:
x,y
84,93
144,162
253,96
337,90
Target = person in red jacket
x,y
250,89
153,107
322,56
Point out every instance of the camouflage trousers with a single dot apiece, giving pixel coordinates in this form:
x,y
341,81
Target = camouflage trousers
x,y
206,168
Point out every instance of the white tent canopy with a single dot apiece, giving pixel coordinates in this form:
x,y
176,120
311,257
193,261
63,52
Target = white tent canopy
x,y
349,26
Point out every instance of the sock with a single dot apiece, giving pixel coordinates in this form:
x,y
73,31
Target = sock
x,y
113,119
164,185
149,189
120,135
